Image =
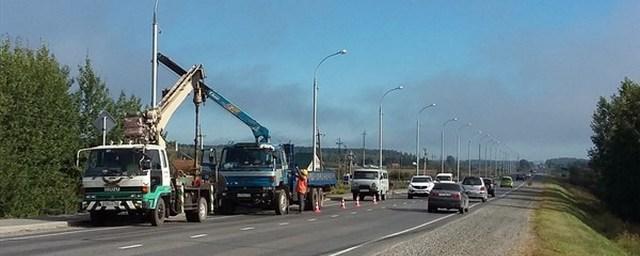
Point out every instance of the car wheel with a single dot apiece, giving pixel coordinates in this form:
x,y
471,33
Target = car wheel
x,y
410,196
461,210
361,197
484,199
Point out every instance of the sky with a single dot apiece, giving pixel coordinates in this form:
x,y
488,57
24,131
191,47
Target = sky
x,y
528,73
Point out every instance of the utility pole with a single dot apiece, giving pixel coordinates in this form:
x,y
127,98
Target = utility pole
x,y
319,150
339,143
364,137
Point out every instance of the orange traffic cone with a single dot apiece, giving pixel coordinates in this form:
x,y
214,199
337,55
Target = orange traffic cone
x,y
357,202
374,200
317,208
342,204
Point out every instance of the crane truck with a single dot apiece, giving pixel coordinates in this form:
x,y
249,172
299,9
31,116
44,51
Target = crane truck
x,y
137,177
258,174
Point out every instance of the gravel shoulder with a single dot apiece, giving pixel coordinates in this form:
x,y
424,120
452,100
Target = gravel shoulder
x,y
500,228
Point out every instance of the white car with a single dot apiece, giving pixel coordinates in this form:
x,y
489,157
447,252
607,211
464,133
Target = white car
x,y
420,186
370,182
444,177
475,188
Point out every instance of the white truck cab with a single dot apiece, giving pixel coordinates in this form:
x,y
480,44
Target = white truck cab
x,y
444,177
370,182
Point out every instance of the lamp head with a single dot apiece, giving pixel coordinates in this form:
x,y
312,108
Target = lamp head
x,y
342,52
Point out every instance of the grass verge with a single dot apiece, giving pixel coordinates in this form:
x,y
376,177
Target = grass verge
x,y
571,221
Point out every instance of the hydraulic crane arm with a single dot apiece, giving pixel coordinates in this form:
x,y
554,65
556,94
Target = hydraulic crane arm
x,y
260,132
150,126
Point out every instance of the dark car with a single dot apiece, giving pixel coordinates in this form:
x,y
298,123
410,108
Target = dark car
x,y
491,187
449,196
519,177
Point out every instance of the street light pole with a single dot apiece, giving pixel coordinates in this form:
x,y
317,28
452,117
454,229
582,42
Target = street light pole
x,y
380,122
418,137
315,106
442,143
458,148
469,150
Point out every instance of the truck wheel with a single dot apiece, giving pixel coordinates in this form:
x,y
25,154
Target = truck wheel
x,y
355,196
377,195
384,196
97,218
361,197
226,207
312,198
282,203
157,214
200,214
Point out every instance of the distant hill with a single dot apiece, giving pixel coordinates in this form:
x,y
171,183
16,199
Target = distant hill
x,y
566,162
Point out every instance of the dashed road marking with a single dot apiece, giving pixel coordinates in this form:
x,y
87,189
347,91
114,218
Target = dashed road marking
x,y
283,224
334,216
354,212
198,236
130,246
312,219
369,210
247,228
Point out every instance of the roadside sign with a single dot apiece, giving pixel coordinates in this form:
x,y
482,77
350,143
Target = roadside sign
x,y
104,121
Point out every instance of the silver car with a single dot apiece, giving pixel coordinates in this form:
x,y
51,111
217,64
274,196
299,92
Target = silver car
x,y
475,188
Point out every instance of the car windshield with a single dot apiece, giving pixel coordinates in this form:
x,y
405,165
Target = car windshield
x,y
447,186
443,178
233,158
507,179
113,162
474,181
363,175
421,179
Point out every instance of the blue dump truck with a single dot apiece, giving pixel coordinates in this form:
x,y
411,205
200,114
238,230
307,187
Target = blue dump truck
x,y
256,174
259,176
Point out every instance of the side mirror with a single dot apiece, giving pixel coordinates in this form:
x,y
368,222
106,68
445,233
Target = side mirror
x,y
146,164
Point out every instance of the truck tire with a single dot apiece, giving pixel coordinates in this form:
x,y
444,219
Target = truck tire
x,y
355,196
281,203
97,218
361,197
226,207
383,196
312,198
157,215
377,195
200,214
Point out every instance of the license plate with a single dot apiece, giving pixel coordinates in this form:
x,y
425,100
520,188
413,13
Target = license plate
x,y
109,203
111,189
364,190
444,194
244,195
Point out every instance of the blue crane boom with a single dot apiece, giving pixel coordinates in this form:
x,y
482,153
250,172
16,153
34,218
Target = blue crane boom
x,y
260,132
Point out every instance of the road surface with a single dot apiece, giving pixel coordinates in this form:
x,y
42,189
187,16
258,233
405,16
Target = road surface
x,y
334,231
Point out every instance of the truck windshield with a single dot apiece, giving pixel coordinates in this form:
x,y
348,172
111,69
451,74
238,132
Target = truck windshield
x,y
112,162
365,175
233,158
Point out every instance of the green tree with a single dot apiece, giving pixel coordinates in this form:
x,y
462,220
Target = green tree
x,y
616,151
38,130
91,98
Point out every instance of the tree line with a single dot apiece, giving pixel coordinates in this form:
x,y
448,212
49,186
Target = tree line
x,y
615,155
46,115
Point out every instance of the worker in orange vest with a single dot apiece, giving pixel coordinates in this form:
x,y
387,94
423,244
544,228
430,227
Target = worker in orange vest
x,y
301,187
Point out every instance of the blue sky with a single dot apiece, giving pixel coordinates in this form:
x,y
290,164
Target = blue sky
x,y
526,72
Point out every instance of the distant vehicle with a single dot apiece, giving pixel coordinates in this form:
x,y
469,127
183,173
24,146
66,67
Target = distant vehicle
x,y
475,188
528,175
491,187
444,177
420,186
346,178
448,195
506,181
370,182
519,177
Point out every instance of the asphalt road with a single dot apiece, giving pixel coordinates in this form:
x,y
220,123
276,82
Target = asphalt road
x,y
334,231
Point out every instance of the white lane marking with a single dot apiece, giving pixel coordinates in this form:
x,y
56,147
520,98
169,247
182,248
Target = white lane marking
x,y
394,205
312,219
369,210
198,236
223,217
354,212
392,235
334,216
247,228
404,202
130,246
57,234
384,207
283,224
